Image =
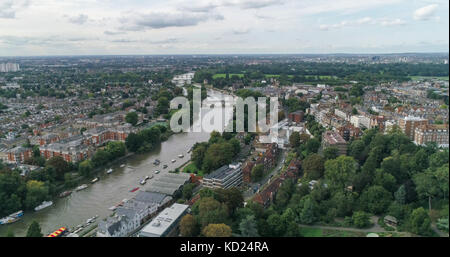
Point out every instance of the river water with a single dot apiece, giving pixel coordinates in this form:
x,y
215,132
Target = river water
x,y
110,189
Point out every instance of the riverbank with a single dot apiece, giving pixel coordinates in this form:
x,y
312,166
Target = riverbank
x,y
112,188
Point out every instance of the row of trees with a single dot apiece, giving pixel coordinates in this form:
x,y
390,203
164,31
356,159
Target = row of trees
x,y
218,151
383,174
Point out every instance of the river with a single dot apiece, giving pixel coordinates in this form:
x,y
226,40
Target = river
x,y
110,189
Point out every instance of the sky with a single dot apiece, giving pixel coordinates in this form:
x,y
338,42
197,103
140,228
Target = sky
x,y
110,27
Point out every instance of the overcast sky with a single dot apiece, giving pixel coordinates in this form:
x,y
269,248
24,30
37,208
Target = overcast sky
x,y
57,27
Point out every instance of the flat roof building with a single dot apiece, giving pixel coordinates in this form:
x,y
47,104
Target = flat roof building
x,y
224,177
166,223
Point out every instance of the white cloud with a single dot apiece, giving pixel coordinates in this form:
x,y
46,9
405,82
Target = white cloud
x,y
426,12
364,21
80,19
164,19
9,8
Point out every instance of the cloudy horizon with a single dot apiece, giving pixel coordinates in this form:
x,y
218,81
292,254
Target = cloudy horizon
x,y
119,27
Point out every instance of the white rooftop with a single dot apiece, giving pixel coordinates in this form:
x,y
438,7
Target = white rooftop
x,y
163,221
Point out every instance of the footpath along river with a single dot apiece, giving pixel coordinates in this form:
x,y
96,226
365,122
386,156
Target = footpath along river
x,y
111,189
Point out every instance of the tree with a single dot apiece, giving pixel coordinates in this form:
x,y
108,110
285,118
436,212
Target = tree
x,y
132,118
312,145
420,222
101,157
217,155
376,199
162,106
217,230
361,219
36,193
340,171
313,166
34,230
257,172
248,227
232,197
357,150
59,165
198,154
133,142
85,168
188,226
427,185
187,190
115,149
331,153
294,139
211,211
400,195
276,225
307,213
236,145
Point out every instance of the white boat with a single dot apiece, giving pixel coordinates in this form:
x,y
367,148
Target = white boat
x,y
8,220
109,171
84,186
17,214
180,156
174,160
123,165
156,171
112,208
143,182
94,180
43,205
91,220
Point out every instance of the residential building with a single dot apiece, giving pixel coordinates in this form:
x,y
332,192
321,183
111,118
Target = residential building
x,y
333,139
225,177
296,116
432,133
19,154
409,124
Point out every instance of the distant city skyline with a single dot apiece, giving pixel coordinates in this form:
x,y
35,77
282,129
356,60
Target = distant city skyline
x,y
119,27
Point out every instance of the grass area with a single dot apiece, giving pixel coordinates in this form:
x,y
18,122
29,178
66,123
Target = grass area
x,y
191,168
318,232
391,234
223,75
311,232
428,78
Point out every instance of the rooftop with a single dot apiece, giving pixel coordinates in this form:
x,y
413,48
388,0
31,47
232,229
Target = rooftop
x,y
164,220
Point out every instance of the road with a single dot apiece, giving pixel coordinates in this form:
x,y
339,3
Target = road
x,y
249,193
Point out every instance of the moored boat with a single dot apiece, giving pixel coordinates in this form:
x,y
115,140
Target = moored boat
x,y
109,171
17,214
84,186
43,205
11,218
94,180
64,194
